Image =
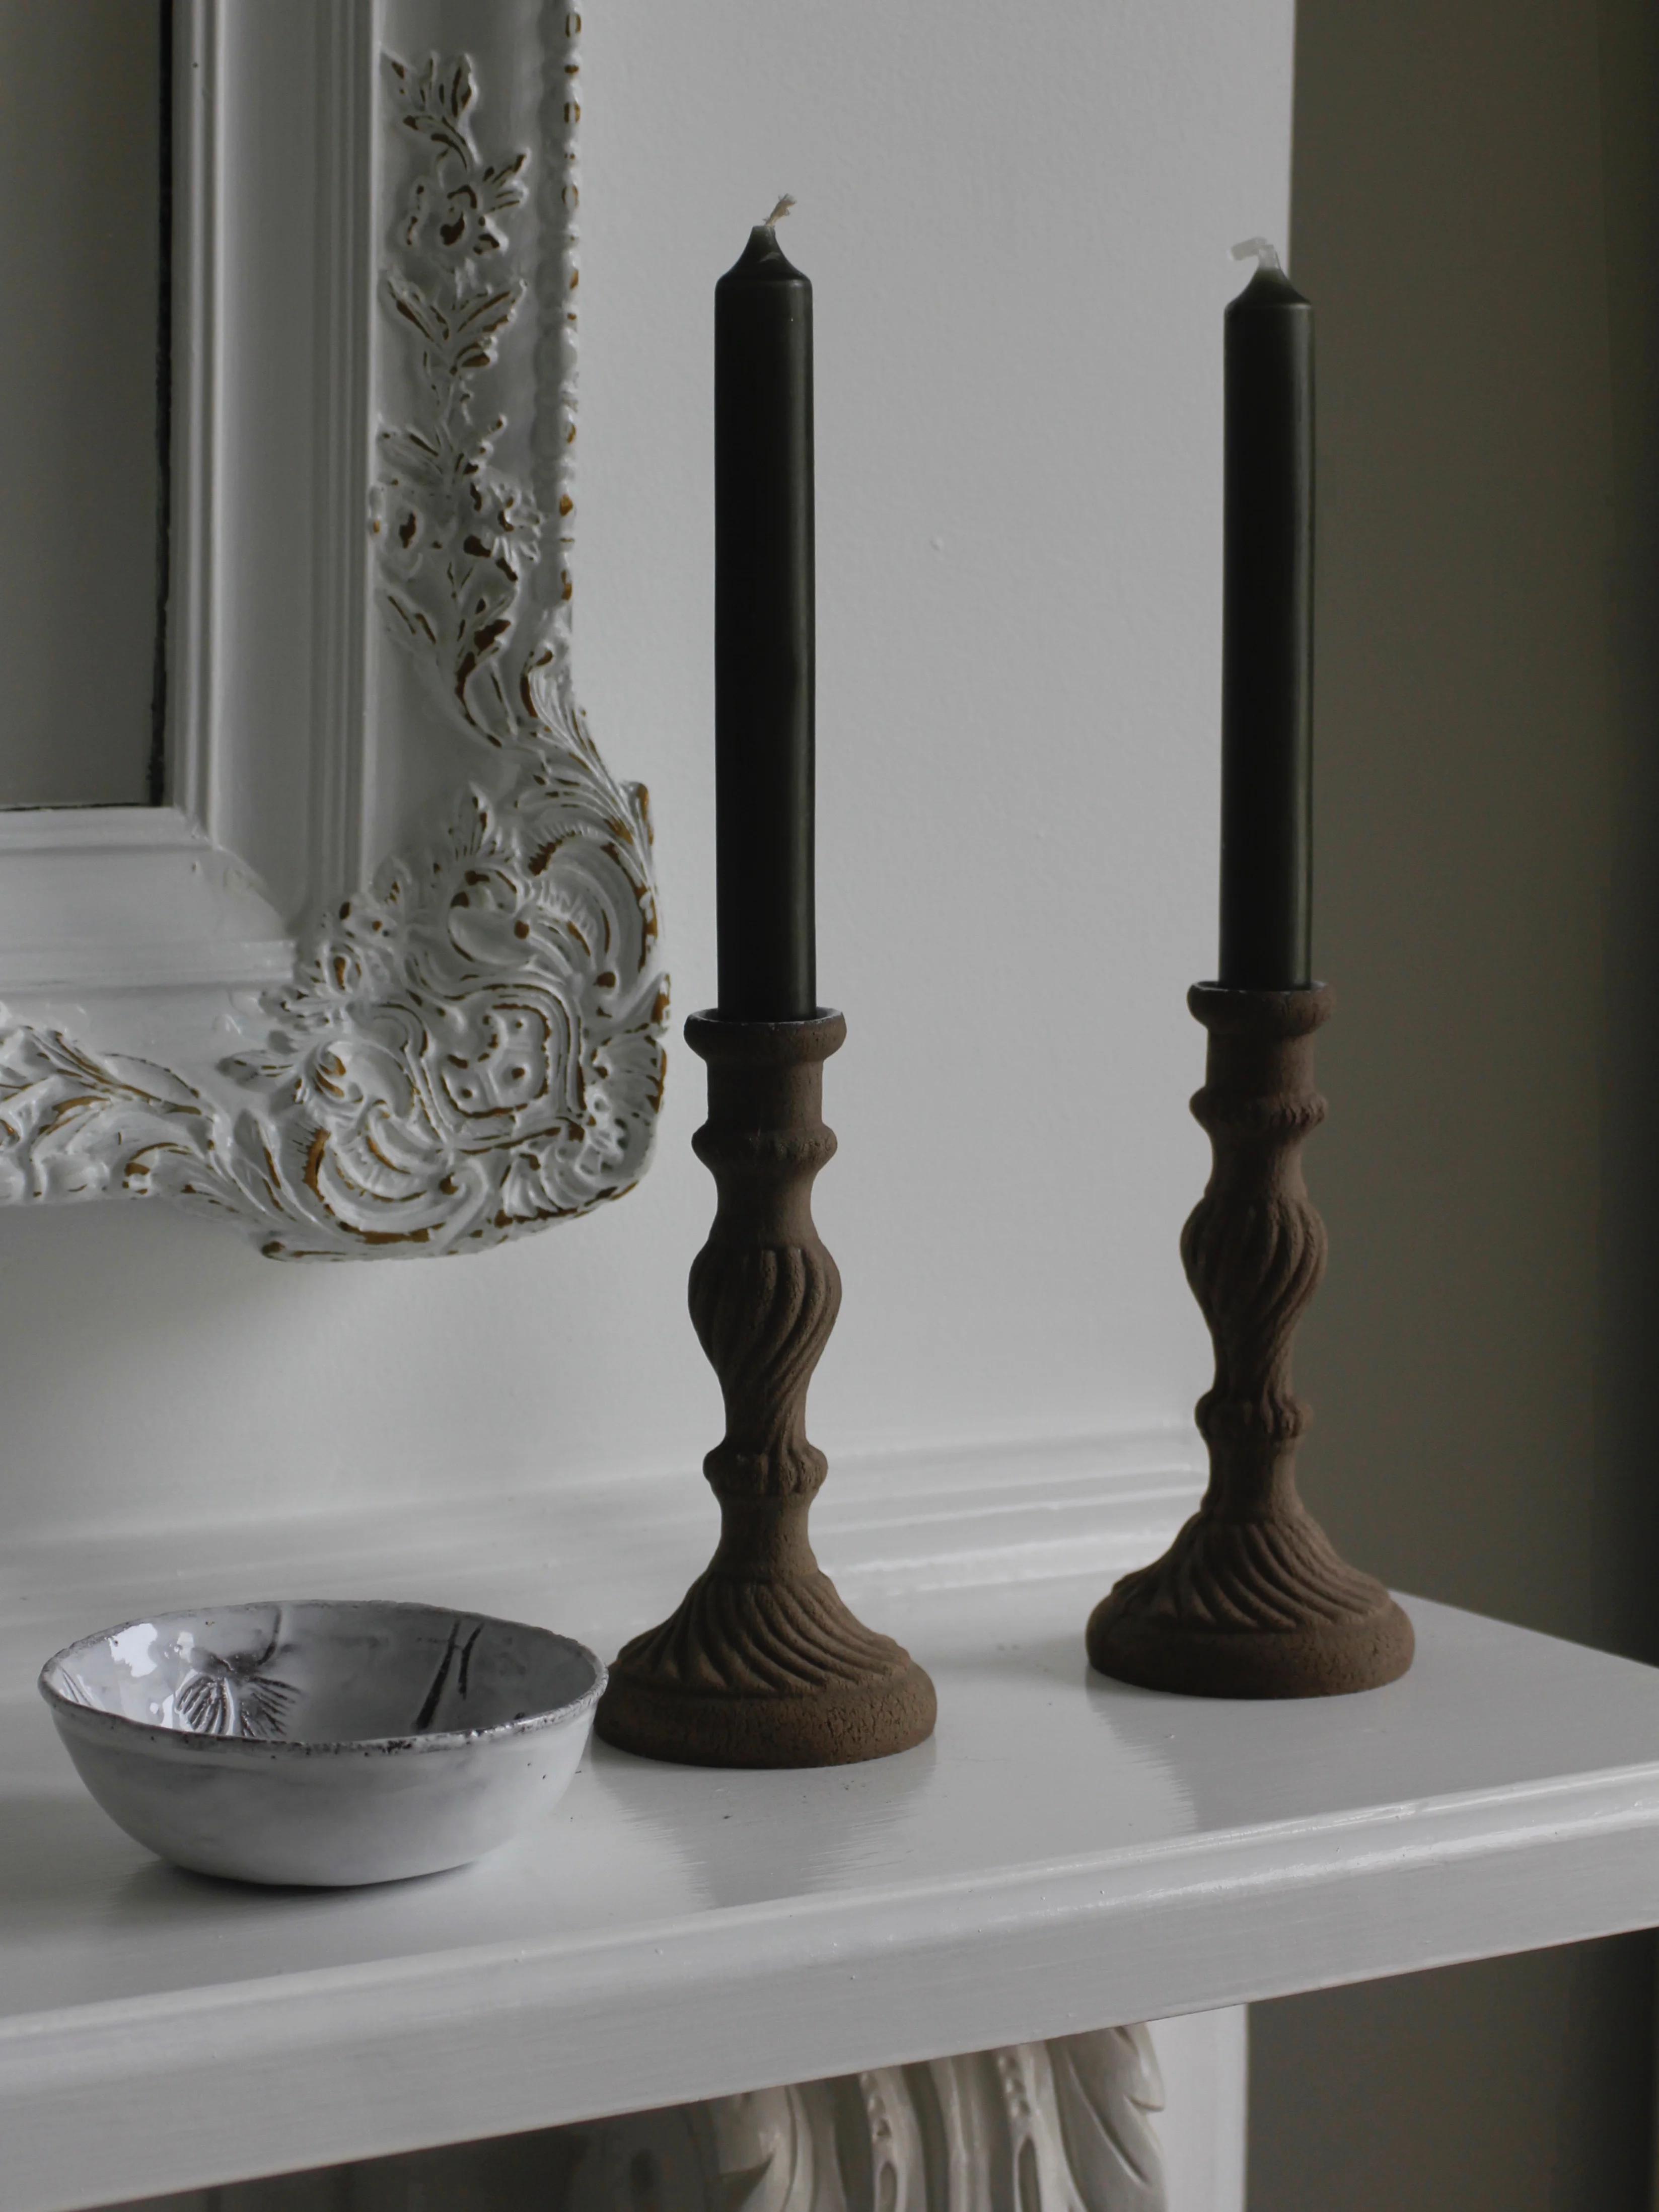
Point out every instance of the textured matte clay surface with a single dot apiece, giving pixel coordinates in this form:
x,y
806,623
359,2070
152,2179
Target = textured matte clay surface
x,y
762,1665
1252,1600
825,1727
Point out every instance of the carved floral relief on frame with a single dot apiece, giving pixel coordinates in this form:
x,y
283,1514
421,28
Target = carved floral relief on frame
x,y
471,1045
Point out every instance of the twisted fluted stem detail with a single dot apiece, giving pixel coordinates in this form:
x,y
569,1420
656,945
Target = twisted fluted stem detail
x,y
1252,1600
761,1664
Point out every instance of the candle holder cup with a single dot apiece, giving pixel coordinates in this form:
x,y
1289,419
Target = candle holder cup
x,y
1252,1598
762,1664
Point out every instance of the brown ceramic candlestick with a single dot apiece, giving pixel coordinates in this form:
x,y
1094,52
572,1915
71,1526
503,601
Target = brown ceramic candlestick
x,y
1251,1600
762,1665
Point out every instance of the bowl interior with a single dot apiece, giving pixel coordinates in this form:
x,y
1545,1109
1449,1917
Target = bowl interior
x,y
324,1672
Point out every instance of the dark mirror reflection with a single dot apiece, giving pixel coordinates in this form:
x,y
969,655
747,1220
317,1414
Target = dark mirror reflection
x,y
85,170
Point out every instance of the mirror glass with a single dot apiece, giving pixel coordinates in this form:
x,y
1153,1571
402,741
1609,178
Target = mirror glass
x,y
85,165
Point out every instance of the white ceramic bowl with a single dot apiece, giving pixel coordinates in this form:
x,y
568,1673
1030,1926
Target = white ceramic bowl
x,y
324,1741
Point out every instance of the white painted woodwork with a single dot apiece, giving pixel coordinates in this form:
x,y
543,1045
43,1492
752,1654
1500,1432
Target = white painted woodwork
x,y
1067,1853
1064,2126
1170,2098
467,1045
1124,2119
1203,2060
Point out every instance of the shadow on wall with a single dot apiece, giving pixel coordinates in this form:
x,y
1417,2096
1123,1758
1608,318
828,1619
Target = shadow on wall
x,y
1477,219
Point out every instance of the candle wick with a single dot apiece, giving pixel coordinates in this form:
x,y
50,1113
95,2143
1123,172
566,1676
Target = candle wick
x,y
784,204
1266,252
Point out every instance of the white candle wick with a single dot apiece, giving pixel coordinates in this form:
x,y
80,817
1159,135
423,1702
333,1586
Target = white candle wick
x,y
1266,252
785,203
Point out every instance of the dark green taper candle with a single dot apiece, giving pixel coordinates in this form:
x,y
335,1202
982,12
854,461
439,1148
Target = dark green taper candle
x,y
763,635
1267,654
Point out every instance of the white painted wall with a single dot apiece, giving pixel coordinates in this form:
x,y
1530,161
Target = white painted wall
x,y
1018,227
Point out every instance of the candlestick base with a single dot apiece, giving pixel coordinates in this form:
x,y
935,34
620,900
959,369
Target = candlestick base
x,y
762,1664
1252,1598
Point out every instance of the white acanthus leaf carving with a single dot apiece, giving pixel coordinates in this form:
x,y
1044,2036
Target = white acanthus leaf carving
x,y
1063,2126
471,1046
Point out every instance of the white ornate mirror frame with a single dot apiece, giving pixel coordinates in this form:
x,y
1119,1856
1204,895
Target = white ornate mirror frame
x,y
383,977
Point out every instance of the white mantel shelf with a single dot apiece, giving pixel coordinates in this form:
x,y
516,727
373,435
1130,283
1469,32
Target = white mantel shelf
x,y
1068,1852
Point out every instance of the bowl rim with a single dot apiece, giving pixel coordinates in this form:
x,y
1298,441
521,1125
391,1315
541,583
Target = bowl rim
x,y
263,1748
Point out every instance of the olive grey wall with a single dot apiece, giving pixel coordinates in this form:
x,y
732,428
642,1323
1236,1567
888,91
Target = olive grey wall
x,y
1474,214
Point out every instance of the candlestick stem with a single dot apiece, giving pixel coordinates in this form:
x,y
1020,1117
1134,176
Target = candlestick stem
x,y
762,1664
1252,1598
